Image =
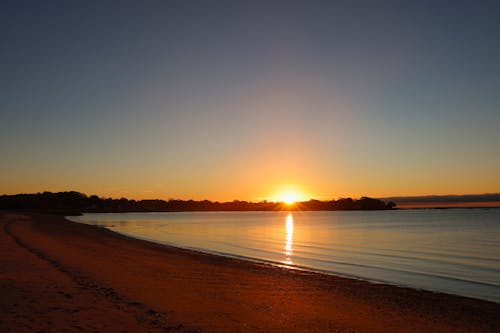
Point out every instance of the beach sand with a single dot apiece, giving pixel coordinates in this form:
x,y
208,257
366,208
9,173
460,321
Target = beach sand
x,y
57,275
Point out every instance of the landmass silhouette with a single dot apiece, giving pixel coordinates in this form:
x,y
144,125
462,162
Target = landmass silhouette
x,y
72,202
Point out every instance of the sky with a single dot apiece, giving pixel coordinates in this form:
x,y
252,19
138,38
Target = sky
x,y
226,100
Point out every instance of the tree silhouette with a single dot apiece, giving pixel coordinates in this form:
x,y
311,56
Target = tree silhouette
x,y
74,202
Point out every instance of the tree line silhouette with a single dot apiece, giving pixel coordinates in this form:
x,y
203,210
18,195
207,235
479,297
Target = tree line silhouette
x,y
74,203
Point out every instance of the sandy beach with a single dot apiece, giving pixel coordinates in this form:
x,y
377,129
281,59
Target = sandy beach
x,y
57,275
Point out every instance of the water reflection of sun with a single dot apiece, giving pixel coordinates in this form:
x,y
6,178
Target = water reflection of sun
x,y
289,238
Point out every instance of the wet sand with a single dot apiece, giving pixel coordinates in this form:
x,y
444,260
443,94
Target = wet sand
x,y
57,275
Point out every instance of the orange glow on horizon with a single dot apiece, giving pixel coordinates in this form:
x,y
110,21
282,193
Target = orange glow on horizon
x,y
289,195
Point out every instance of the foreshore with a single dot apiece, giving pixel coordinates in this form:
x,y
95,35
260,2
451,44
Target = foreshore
x,y
57,275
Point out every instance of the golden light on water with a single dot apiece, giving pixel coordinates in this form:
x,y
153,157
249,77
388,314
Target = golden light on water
x,y
289,238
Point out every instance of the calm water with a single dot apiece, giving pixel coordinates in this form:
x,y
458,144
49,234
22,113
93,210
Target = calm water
x,y
455,251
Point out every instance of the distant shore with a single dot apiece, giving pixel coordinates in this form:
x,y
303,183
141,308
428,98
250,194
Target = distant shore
x,y
59,275
446,205
72,202
489,200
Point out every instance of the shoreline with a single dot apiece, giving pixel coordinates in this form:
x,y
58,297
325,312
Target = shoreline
x,y
158,287
280,265
419,279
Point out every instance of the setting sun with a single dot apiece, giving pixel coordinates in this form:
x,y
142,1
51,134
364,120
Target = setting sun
x,y
289,196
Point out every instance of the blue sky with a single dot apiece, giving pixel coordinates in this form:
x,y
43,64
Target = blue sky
x,y
235,99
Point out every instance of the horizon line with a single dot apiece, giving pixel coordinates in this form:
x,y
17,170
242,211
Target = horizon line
x,y
480,197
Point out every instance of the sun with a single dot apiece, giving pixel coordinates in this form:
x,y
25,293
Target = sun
x,y
289,196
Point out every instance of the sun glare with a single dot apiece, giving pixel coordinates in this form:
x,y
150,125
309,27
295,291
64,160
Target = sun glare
x,y
289,196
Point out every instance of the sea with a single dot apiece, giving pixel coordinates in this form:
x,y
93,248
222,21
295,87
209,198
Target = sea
x,y
454,251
